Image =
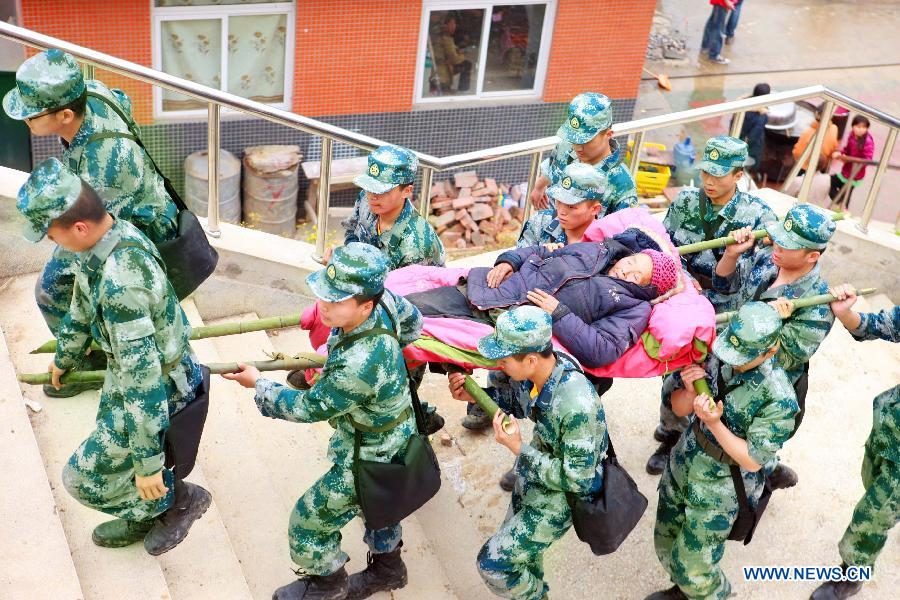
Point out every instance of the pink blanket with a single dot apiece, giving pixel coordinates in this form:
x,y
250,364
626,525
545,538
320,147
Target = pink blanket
x,y
675,323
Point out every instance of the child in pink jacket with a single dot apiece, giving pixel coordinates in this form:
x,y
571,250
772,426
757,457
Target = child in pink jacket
x,y
860,145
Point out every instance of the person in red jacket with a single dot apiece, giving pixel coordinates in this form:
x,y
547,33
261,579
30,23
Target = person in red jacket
x,y
714,31
860,146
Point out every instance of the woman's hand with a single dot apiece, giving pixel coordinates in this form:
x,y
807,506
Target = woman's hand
x,y
246,377
499,274
510,435
457,383
543,300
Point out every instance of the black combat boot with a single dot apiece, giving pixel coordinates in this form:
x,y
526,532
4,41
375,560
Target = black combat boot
x,y
383,573
297,379
508,480
476,419
782,477
837,590
119,533
171,527
315,587
657,462
434,422
673,593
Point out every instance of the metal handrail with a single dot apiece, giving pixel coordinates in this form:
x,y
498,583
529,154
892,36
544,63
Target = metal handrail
x,y
430,164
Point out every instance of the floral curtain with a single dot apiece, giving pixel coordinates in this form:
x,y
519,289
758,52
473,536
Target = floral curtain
x,y
256,53
191,50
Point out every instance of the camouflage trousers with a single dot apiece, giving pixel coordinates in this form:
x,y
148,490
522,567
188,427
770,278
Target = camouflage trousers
x,y
875,513
315,526
511,562
53,290
697,508
100,473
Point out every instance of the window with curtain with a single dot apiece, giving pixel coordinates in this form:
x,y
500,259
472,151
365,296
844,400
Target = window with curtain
x,y
478,49
241,46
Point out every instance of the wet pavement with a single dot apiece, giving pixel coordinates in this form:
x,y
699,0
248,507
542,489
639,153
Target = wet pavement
x,y
849,46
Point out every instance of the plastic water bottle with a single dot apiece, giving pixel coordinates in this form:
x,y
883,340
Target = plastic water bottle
x,y
685,156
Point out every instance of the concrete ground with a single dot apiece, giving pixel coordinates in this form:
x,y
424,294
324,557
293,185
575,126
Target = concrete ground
x,y
847,45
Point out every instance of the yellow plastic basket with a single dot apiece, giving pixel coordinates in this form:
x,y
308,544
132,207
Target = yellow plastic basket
x,y
651,178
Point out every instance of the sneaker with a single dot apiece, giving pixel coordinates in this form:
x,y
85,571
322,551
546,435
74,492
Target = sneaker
x,y
119,533
315,587
720,60
171,527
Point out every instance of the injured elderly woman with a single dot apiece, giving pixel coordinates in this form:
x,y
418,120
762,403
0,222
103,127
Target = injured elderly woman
x,y
598,293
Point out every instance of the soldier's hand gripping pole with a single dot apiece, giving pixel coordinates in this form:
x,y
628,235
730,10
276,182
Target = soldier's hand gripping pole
x,y
728,240
801,303
305,361
487,405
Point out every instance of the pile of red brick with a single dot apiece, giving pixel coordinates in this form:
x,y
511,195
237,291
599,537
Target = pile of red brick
x,y
467,214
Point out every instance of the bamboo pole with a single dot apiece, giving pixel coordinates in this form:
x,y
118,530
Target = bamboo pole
x,y
208,331
305,361
484,401
728,240
801,303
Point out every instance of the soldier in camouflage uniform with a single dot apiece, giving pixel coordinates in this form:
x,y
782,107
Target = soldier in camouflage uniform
x,y
704,214
52,97
123,301
564,457
879,509
746,427
587,137
363,385
781,273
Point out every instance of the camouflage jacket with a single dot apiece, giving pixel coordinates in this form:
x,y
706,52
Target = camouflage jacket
x,y
119,169
542,228
685,226
805,329
760,407
620,191
123,300
411,240
569,441
365,380
885,437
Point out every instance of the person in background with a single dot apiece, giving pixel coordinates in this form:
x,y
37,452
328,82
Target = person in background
x,y
732,22
860,145
829,144
714,31
753,130
449,60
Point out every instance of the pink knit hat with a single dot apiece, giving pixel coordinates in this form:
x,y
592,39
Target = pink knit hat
x,y
665,271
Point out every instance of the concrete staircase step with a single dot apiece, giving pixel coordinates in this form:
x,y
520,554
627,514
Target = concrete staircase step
x,y
204,564
294,455
33,545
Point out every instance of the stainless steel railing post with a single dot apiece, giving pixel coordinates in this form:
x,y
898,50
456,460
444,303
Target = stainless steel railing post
x,y
736,123
876,181
324,199
425,197
212,155
795,169
818,140
636,153
533,173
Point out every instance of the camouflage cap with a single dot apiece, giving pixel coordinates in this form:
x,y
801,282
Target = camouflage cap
x,y
51,189
356,269
579,182
804,226
722,155
519,331
589,114
750,333
389,166
44,82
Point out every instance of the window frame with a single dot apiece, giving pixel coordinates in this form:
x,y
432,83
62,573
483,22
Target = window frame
x,y
536,93
159,15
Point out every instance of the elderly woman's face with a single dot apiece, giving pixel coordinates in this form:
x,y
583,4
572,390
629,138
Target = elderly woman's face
x,y
637,268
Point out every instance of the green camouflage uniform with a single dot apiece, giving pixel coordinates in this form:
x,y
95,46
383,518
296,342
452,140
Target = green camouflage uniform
x,y
685,225
879,508
564,457
588,115
364,381
411,240
697,500
123,301
117,168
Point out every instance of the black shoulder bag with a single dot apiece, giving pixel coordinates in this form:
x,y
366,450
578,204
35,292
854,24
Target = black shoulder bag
x,y
604,523
189,257
389,492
